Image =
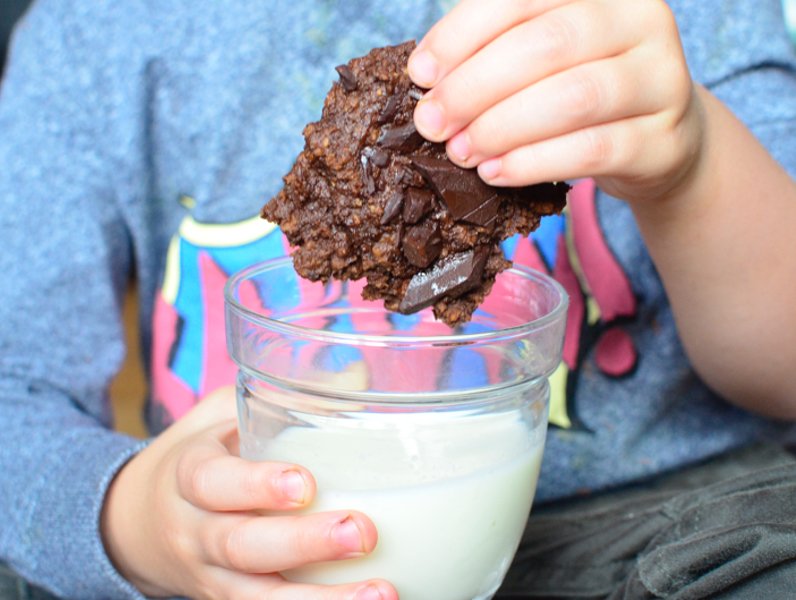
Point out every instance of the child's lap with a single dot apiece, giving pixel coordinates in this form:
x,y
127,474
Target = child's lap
x,y
724,529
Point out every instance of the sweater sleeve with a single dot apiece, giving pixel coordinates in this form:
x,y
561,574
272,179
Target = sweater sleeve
x,y
65,259
742,52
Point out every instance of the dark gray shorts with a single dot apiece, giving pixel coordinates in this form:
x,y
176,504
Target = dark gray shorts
x,y
724,529
13,587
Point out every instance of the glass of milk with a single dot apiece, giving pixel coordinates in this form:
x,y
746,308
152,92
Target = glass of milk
x,y
436,433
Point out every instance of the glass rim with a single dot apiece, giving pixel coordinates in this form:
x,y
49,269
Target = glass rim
x,y
469,397
345,338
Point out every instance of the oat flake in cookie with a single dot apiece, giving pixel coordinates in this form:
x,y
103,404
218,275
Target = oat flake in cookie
x,y
369,197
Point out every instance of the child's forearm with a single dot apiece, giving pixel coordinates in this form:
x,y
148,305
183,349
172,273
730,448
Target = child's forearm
x,y
723,244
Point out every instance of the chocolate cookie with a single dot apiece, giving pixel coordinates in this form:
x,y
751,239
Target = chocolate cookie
x,y
369,197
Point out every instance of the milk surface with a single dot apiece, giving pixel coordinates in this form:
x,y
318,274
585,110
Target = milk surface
x,y
449,496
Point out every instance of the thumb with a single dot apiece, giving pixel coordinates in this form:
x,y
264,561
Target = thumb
x,y
217,410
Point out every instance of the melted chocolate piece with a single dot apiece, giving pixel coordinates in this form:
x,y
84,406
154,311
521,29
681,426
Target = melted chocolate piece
x,y
417,204
380,158
408,177
392,209
422,244
389,111
486,214
451,276
347,78
400,137
463,192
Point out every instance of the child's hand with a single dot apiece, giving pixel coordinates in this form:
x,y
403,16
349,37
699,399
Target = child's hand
x,y
184,518
547,90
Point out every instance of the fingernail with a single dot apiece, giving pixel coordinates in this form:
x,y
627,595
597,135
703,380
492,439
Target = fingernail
x,y
459,146
369,592
423,68
430,117
347,534
292,486
489,169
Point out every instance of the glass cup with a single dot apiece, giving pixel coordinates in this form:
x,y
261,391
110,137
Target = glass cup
x,y
435,433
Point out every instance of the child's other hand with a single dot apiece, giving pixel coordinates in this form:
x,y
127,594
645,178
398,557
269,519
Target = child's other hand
x,y
184,517
548,90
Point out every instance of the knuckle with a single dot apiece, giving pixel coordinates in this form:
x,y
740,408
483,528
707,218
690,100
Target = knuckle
x,y
558,36
484,133
521,8
583,96
184,468
194,479
179,542
205,588
455,95
659,14
598,149
682,87
518,166
235,546
464,86
162,488
656,16
307,542
678,149
256,481
282,590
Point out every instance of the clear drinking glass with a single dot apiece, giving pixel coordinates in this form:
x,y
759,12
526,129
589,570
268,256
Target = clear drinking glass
x,y
435,433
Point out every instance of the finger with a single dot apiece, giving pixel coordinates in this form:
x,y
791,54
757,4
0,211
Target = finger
x,y
267,544
614,149
590,94
553,42
468,27
212,479
275,587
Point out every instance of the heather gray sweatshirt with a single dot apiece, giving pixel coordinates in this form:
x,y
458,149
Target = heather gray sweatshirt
x,y
144,135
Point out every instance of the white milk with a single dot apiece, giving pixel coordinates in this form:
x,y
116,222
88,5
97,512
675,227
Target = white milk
x,y
449,497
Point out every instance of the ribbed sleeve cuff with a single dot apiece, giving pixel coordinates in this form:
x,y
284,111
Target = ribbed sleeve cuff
x,y
64,528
